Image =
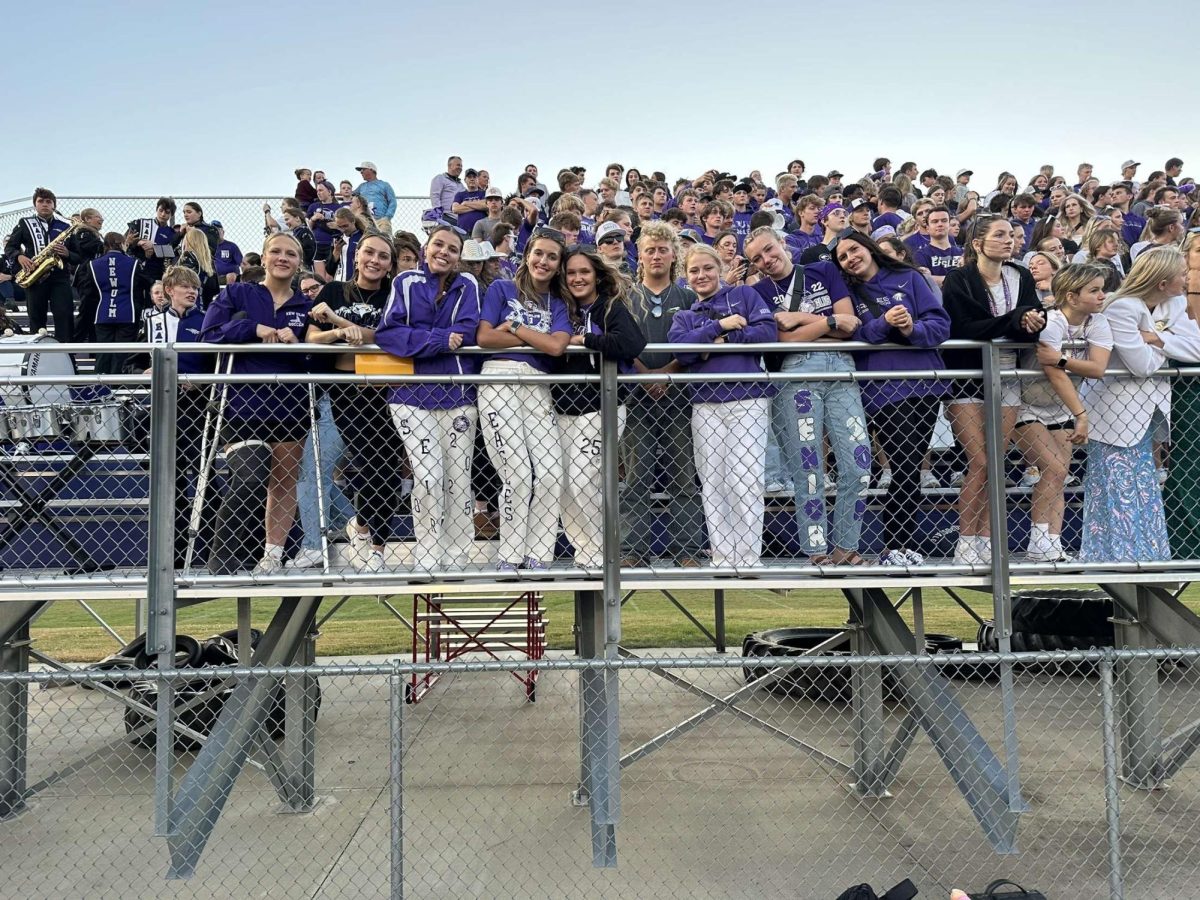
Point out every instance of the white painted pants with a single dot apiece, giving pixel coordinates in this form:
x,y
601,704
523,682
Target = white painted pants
x,y
583,489
521,434
439,443
730,441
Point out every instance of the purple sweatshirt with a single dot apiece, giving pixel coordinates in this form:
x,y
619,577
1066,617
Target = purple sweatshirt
x,y
502,304
931,326
701,325
233,318
416,324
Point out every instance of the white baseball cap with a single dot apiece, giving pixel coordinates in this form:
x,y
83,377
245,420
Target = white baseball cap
x,y
367,165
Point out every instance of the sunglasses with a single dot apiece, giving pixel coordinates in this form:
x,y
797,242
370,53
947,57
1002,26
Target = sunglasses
x,y
545,231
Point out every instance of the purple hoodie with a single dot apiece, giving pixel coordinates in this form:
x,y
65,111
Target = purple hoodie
x,y
931,326
701,325
416,324
234,318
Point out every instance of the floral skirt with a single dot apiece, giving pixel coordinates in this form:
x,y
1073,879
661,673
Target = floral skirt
x,y
1123,519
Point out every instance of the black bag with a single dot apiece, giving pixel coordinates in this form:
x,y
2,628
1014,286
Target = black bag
x,y
905,890
993,892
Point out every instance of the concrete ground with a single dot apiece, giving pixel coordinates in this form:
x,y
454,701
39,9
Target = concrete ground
x,y
725,810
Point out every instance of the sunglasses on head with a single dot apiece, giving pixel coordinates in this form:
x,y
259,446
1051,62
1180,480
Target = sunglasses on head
x,y
545,231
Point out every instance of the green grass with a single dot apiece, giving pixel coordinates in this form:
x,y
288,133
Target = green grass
x,y
363,626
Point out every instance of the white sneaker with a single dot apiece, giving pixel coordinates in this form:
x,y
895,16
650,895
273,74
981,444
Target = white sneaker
x,y
373,563
966,553
1162,476
901,558
269,565
1070,480
775,487
360,544
306,559
929,481
885,479
1031,477
956,479
830,484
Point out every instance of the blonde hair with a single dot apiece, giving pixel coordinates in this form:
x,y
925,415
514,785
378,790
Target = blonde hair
x,y
282,235
658,231
196,241
179,275
1072,279
1150,269
701,250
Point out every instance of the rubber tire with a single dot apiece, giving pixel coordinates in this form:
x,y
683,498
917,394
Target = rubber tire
x,y
1064,612
218,651
187,654
232,636
830,684
199,718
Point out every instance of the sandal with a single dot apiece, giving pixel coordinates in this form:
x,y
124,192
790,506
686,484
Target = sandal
x,y
847,558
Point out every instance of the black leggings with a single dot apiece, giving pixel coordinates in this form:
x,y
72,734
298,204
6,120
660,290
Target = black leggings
x,y
903,430
364,420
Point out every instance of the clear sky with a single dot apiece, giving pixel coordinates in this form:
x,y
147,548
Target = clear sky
x,y
218,97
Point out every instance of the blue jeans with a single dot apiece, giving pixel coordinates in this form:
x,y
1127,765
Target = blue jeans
x,y
338,509
801,413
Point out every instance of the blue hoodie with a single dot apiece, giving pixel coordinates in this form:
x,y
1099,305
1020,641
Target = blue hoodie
x,y
931,326
416,324
701,325
234,318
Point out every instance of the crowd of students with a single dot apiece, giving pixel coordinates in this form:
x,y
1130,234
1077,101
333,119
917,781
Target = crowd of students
x,y
1086,276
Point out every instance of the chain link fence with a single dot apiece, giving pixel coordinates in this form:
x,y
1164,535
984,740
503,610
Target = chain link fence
x,y
728,779
241,217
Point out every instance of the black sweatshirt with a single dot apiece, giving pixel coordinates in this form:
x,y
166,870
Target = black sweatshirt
x,y
610,329
967,301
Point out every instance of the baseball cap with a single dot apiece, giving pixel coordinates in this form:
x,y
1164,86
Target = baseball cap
x,y
882,231
827,209
690,234
774,204
366,164
834,173
536,189
858,203
743,186
1129,163
962,172
608,230
471,173
216,223
1188,188
493,191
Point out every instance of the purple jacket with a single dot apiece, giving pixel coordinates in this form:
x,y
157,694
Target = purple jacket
x,y
931,326
701,325
416,324
233,318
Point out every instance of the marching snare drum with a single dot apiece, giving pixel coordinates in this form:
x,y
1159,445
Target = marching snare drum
x,y
31,411
96,423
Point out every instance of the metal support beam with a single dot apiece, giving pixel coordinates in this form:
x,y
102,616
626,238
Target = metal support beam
x,y
396,706
14,722
1139,724
206,786
719,618
976,770
160,587
867,703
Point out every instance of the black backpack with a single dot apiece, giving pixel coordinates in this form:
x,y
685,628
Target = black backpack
x,y
905,890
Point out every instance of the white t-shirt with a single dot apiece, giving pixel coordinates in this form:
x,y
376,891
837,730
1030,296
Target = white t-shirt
x,y
1094,332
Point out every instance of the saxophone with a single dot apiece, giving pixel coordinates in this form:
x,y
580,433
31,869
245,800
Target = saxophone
x,y
46,262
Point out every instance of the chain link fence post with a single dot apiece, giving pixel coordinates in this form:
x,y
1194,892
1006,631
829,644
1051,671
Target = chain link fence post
x,y
396,779
160,593
1112,796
